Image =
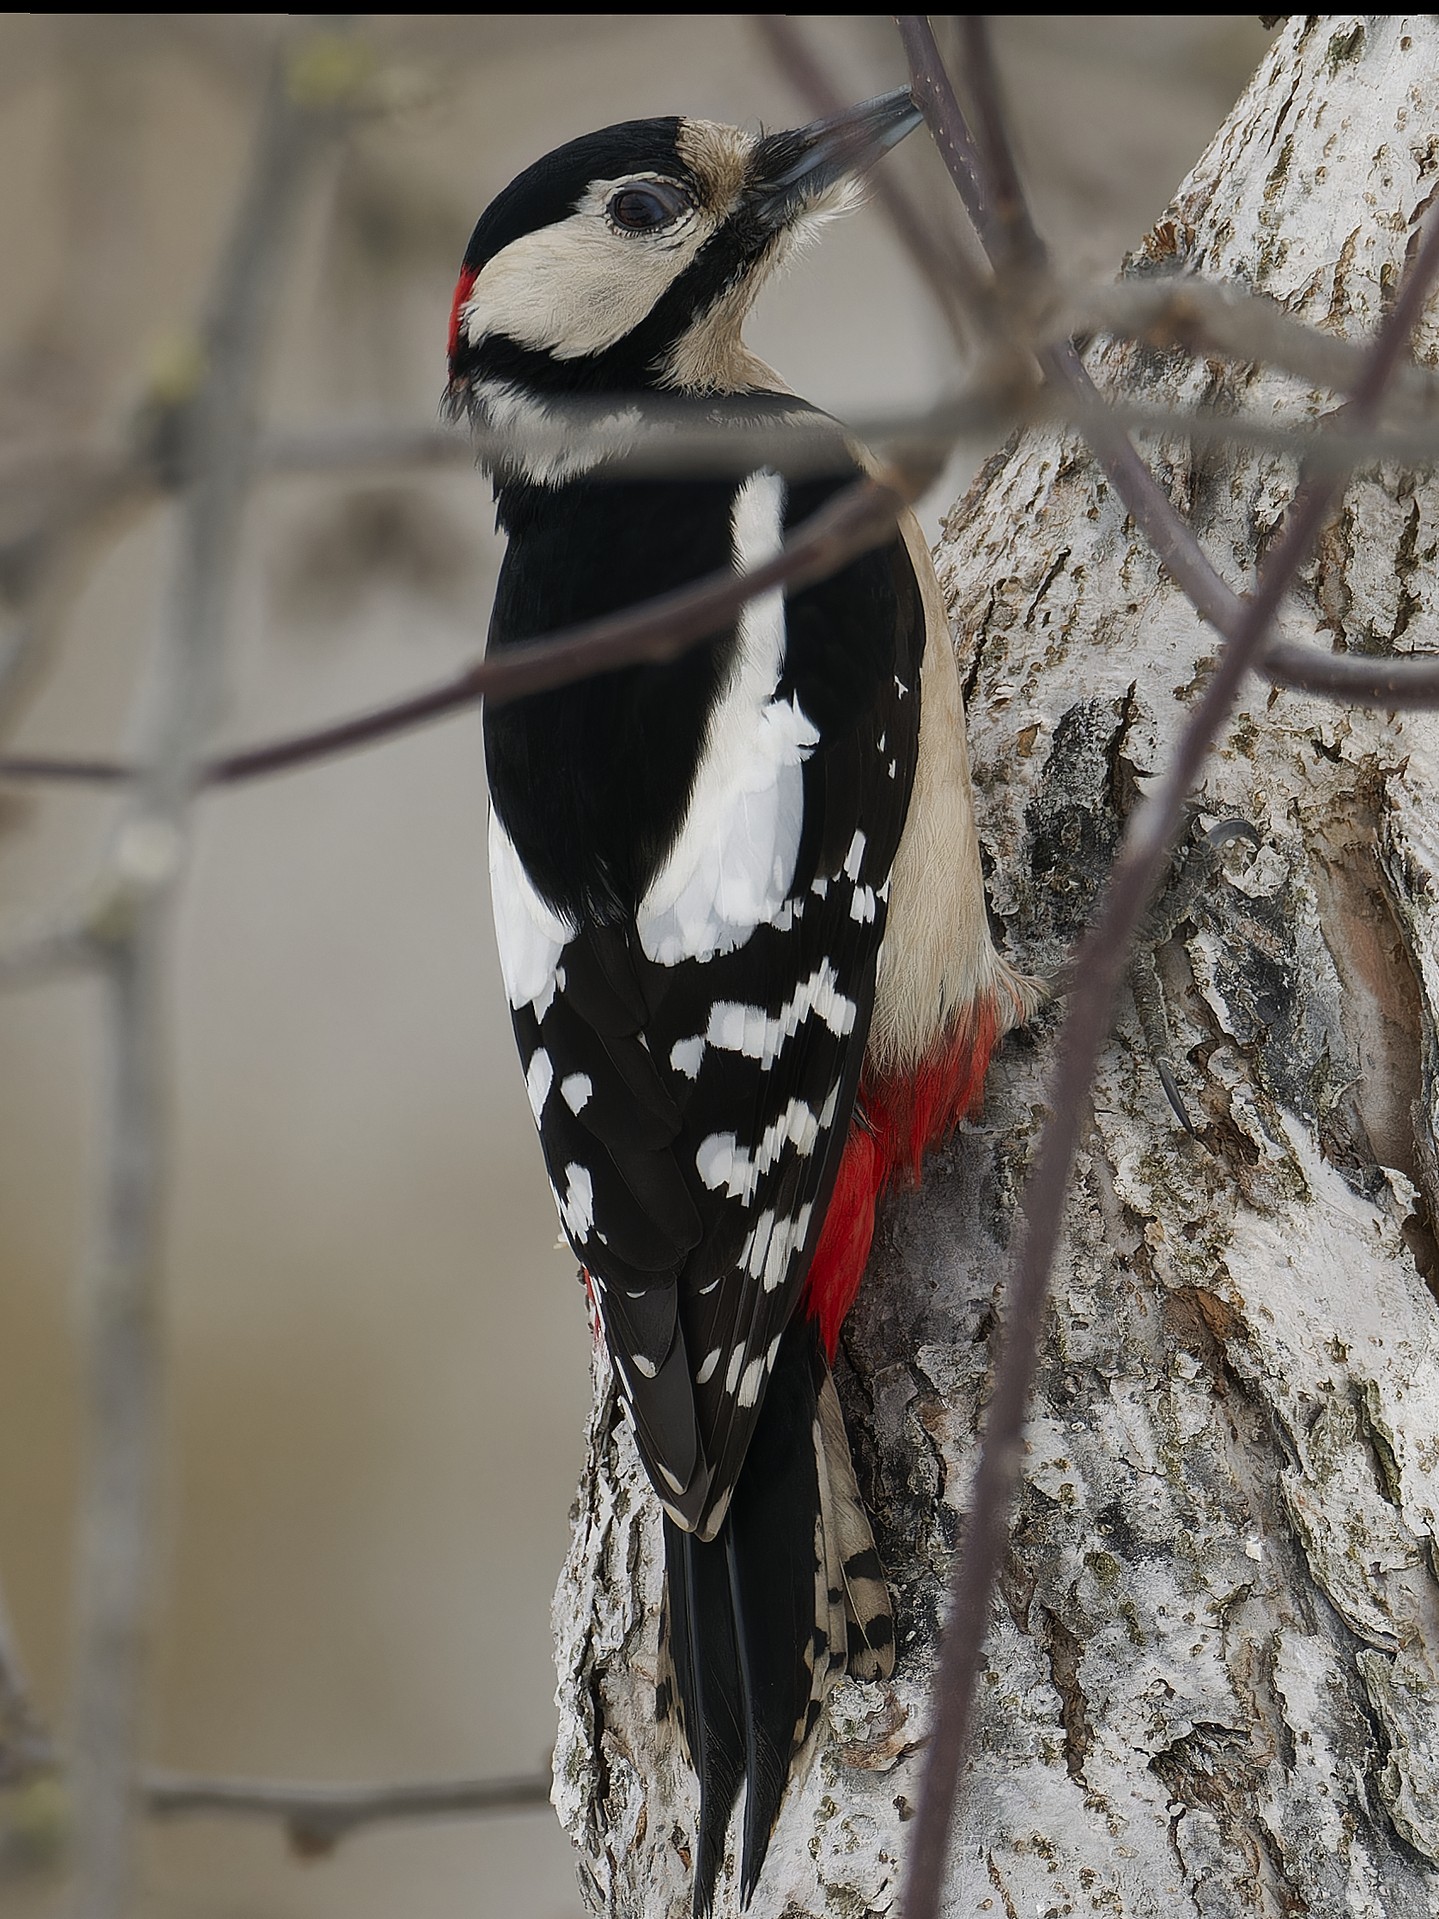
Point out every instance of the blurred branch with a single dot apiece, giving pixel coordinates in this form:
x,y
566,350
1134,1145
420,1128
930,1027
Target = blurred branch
x,y
1003,223
1358,679
1174,310
990,185
316,1818
25,1746
77,480
64,946
934,96
138,890
960,290
660,629
670,442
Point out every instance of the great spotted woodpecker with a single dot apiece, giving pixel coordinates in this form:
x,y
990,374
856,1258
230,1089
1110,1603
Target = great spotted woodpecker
x,y
737,897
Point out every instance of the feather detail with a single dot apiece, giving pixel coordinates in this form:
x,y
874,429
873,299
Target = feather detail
x,y
899,1117
746,1686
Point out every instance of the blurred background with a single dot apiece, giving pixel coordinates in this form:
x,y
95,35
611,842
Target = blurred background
x,y
378,1362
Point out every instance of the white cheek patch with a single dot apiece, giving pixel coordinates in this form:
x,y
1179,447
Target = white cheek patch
x,y
732,866
577,287
530,935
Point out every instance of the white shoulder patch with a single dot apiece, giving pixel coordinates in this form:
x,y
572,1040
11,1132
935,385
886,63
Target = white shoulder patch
x,y
733,863
530,935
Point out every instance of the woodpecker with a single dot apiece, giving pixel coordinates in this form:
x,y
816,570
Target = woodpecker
x,y
737,895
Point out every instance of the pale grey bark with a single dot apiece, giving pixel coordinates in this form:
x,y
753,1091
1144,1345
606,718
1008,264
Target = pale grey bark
x,y
1211,1679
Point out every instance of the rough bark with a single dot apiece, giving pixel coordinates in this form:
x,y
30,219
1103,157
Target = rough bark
x,y
1210,1683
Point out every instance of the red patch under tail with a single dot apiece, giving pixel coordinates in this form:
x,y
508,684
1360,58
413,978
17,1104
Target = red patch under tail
x,y
896,1121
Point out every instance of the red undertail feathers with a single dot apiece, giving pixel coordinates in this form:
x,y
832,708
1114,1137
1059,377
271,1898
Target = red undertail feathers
x,y
897,1120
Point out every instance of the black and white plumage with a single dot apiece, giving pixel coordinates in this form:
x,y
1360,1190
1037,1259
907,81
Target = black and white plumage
x,y
692,867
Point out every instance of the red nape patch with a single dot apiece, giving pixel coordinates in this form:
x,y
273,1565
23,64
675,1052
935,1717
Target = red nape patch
x,y
463,288
896,1122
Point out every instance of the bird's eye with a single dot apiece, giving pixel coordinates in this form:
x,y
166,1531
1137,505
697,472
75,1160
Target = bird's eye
x,y
642,209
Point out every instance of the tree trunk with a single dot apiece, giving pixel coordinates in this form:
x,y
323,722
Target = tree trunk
x,y
1210,1685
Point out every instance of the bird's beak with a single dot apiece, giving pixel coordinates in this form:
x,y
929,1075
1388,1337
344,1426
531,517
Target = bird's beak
x,y
792,170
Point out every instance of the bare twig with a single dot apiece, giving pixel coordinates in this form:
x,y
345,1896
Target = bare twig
x,y
660,629
657,629
1148,505
960,290
63,947
1013,241
1250,328
25,1746
316,1818
934,96
1356,678
1140,864
116,1548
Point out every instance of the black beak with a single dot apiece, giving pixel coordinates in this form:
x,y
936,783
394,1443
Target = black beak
x,y
793,169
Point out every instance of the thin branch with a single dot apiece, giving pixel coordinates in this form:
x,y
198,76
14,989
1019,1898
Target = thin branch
x,y
1145,500
83,479
960,290
1140,865
934,96
1400,683
858,518
1013,242
116,1548
1178,311
684,618
316,1818
65,946
25,1746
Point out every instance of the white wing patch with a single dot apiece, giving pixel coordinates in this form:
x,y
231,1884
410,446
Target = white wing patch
x,y
733,863
722,1162
530,935
575,1091
539,1078
686,1054
749,1030
751,1379
577,1208
772,1242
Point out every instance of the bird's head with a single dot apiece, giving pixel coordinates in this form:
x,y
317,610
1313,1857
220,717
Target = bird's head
x,y
627,260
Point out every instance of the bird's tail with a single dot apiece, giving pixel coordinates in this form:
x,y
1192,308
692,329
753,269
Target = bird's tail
x,y
761,1620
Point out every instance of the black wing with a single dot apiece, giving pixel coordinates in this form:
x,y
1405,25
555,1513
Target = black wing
x,y
693,1098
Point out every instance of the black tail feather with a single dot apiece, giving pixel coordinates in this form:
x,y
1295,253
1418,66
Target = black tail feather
x,y
706,1664
753,1629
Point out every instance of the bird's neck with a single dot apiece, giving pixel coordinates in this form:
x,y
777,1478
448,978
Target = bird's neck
x,y
542,434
